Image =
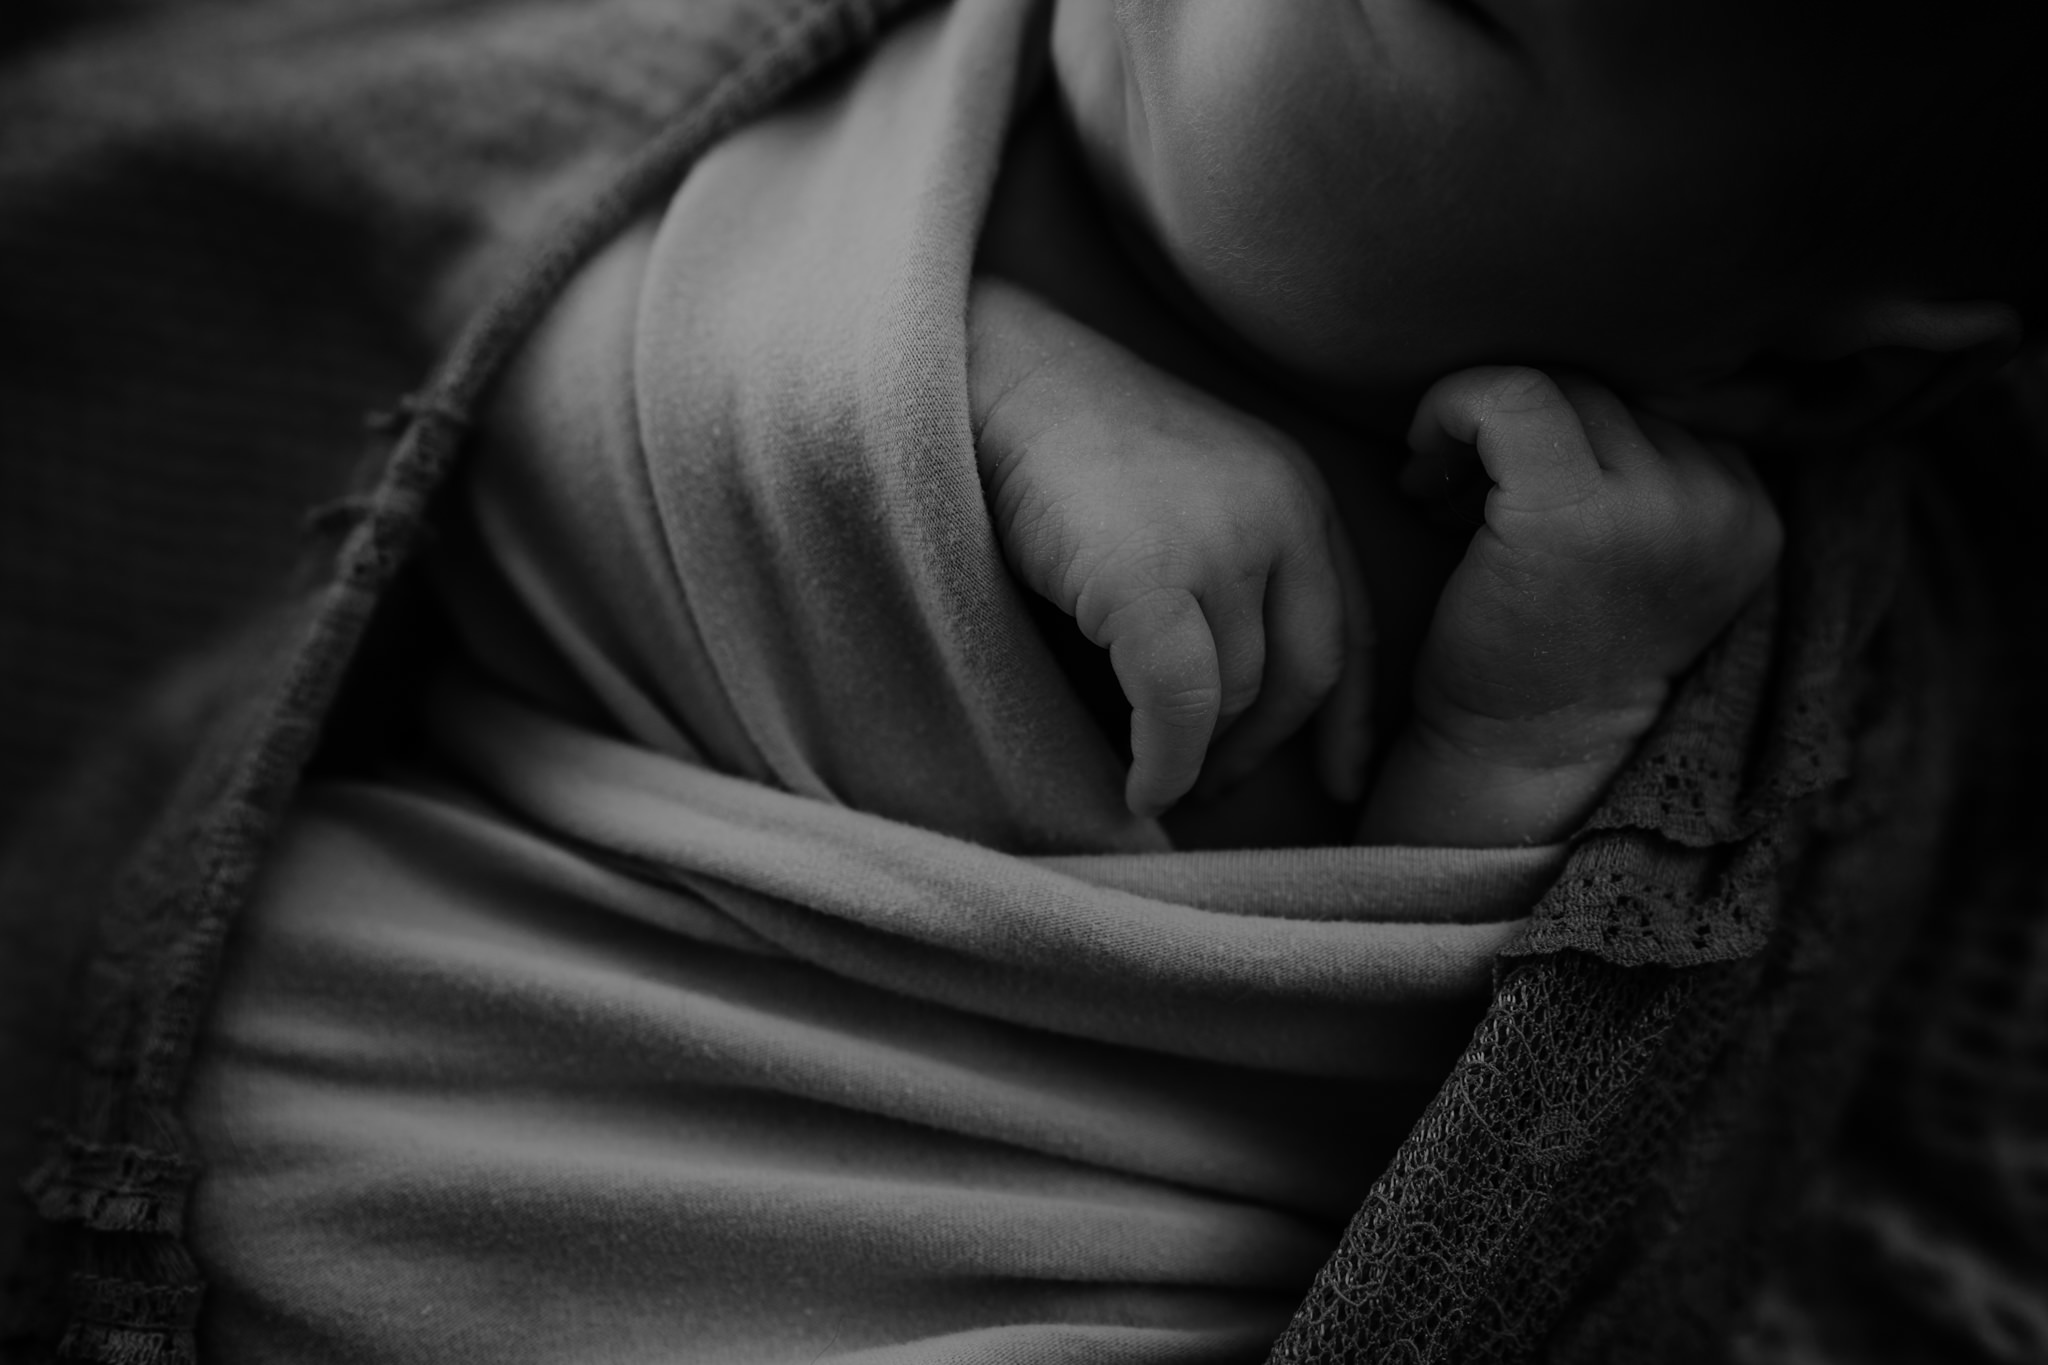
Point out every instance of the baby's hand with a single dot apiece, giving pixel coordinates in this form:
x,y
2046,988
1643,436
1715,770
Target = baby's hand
x,y
1615,548
1196,545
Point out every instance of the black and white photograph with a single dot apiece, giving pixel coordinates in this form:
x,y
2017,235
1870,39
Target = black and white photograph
x,y
1023,682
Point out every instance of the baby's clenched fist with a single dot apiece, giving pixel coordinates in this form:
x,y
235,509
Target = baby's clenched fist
x,y
1192,542
1615,548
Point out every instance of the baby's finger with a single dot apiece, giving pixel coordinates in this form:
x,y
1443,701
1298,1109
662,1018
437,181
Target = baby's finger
x,y
1165,658
1344,725
1304,634
1235,611
1517,421
1618,439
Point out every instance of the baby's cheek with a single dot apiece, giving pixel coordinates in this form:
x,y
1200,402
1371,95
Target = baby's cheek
x,y
1251,112
1213,120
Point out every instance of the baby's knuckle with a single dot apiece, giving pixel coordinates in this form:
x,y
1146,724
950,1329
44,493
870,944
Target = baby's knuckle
x,y
1037,529
1267,492
1185,706
1140,567
1110,606
1512,389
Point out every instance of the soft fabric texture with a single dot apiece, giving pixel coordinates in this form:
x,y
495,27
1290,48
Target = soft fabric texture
x,y
224,222
772,545
450,167
837,1006
671,1065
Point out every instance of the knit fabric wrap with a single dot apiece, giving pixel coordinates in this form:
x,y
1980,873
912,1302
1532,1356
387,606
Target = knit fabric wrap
x,y
1676,1038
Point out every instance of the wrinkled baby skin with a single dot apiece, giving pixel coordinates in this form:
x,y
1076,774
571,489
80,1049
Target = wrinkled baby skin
x,y
1198,547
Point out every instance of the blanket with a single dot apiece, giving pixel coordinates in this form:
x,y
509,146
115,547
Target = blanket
x,y
759,963
232,228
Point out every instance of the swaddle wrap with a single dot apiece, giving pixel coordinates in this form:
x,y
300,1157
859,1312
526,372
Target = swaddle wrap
x,y
767,968
779,555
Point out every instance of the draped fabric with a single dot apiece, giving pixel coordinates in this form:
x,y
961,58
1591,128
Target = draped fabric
x,y
757,961
772,545
231,228
606,1055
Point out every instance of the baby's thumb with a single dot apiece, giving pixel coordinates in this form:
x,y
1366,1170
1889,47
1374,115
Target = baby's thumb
x,y
1165,659
1344,724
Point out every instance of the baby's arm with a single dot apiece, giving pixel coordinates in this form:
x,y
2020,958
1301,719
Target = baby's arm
x,y
1615,549
1195,544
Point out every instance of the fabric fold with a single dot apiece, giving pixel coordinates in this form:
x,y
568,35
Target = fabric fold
x,y
773,543
756,960
1377,981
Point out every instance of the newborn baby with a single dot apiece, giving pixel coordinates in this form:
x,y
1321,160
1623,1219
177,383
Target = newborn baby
x,y
1357,199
